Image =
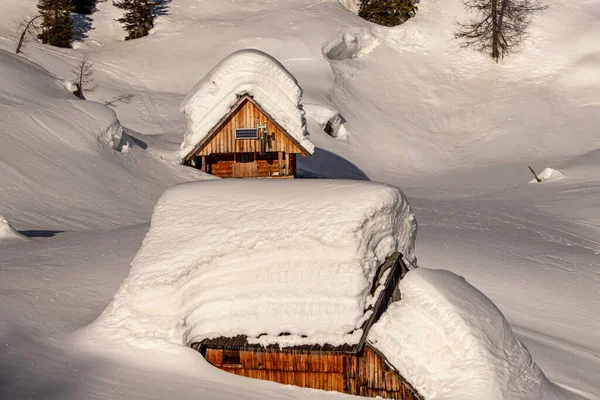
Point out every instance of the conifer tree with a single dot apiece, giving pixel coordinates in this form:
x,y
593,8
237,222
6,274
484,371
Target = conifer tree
x,y
499,26
138,18
387,12
56,26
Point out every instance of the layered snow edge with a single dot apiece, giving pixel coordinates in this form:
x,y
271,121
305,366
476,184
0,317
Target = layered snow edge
x,y
250,72
274,257
459,345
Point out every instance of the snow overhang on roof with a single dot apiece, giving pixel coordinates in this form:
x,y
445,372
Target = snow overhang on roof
x,y
258,258
250,72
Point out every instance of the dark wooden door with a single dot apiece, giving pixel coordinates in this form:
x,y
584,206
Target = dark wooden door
x,y
245,166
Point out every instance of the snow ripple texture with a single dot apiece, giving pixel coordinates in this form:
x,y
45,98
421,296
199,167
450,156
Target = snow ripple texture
x,y
459,345
245,71
229,257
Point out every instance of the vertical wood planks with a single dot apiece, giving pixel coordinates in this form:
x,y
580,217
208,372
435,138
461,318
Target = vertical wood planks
x,y
364,374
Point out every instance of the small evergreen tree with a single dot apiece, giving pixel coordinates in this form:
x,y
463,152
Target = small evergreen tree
x,y
138,18
56,26
84,6
387,12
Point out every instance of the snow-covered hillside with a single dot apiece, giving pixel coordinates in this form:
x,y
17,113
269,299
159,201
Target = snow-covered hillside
x,y
453,129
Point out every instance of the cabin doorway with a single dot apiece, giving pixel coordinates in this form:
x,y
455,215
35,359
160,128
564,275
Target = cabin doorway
x,y
245,165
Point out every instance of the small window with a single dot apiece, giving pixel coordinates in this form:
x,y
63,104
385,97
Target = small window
x,y
246,133
231,357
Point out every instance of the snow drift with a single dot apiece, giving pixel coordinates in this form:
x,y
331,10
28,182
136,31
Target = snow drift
x,y
244,72
459,345
548,175
57,155
7,232
229,257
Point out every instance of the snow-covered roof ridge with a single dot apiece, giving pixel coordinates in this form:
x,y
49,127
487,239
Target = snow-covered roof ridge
x,y
250,72
277,256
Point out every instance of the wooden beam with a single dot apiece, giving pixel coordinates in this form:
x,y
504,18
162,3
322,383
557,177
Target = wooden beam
x,y
280,161
287,163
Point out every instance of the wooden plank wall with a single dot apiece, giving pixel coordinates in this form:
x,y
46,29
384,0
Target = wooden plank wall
x,y
365,374
265,168
247,116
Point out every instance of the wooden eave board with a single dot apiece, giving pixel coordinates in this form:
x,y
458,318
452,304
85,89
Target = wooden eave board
x,y
234,109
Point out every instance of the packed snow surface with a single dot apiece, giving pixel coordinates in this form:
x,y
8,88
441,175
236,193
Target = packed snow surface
x,y
224,258
470,350
244,72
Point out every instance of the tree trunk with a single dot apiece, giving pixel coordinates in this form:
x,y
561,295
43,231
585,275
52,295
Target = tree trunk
x,y
24,33
495,31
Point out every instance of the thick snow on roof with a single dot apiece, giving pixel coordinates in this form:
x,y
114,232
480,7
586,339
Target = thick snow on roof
x,y
229,257
244,72
451,342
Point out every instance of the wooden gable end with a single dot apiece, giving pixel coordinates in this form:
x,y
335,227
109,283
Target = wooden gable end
x,y
245,114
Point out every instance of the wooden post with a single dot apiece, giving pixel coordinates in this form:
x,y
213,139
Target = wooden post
x,y
280,161
204,166
287,163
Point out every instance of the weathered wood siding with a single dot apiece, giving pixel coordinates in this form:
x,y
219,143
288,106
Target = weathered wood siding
x,y
264,167
247,115
364,374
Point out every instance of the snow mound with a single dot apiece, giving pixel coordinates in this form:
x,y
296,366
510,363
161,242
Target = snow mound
x,y
351,44
330,120
459,345
548,175
244,72
7,232
230,257
351,5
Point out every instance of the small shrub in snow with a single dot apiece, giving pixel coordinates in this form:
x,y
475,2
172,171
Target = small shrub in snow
x,y
387,12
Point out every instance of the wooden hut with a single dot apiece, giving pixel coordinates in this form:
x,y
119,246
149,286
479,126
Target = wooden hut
x,y
357,369
247,143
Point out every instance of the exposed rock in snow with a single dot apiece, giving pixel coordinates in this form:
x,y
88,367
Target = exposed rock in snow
x,y
230,257
245,71
547,175
330,120
451,342
7,232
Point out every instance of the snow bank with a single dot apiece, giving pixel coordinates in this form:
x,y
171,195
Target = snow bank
x,y
548,174
459,345
245,71
7,232
229,257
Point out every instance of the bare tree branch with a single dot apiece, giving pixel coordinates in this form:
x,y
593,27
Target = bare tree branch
x,y
500,25
84,71
27,26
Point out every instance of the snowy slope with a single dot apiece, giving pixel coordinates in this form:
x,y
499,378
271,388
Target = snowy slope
x,y
454,130
59,153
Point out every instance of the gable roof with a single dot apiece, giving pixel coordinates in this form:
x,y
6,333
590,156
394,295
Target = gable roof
x,y
234,109
383,292
250,72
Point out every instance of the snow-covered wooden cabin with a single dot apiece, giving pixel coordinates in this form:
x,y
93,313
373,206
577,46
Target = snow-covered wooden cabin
x,y
357,368
245,120
286,281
